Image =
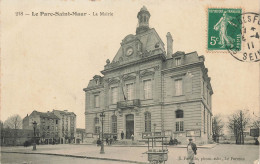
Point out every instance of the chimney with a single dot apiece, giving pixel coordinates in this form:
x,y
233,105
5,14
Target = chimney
x,y
169,45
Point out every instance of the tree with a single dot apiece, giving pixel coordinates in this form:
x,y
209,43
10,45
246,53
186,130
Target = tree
x,y
217,127
1,125
237,124
11,125
13,122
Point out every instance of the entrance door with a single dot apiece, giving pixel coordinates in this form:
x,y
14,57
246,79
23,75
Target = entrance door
x,y
129,125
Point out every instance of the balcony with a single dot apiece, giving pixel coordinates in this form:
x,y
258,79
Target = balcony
x,y
128,104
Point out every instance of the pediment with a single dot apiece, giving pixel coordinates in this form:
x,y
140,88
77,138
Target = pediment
x,y
146,73
113,81
129,77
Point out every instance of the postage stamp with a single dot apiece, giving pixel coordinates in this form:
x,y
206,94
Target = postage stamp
x,y
219,36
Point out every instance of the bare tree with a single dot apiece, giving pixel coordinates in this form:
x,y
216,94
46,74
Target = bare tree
x,y
217,127
13,122
1,125
237,124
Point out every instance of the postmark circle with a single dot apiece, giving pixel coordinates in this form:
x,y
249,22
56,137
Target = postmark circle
x,y
247,24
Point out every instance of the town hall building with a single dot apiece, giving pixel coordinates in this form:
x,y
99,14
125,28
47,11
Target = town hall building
x,y
149,90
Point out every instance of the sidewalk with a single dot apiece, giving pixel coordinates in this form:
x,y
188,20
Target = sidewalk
x,y
85,151
122,153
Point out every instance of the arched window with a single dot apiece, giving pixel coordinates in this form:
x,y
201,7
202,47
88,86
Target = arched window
x,y
147,120
114,124
179,113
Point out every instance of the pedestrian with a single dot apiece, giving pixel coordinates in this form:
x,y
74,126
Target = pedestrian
x,y
110,141
191,151
98,142
132,136
122,135
107,142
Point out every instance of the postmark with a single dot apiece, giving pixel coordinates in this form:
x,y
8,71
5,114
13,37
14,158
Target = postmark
x,y
248,26
219,36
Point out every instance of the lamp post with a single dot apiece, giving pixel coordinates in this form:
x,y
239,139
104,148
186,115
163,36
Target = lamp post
x,y
34,128
102,115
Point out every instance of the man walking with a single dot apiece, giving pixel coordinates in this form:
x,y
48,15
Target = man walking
x,y
191,150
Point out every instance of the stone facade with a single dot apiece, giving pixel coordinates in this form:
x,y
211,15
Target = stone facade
x,y
67,126
47,125
148,90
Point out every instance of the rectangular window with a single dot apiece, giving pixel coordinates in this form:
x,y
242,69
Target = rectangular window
x,y
56,121
114,95
114,124
177,61
178,87
147,89
129,91
179,126
97,129
96,101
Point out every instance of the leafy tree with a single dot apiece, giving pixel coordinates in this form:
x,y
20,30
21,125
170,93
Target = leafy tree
x,y
237,124
217,127
13,122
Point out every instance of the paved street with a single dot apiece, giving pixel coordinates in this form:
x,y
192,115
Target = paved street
x,y
219,154
48,159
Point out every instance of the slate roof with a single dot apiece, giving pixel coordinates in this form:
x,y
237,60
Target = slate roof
x,y
45,115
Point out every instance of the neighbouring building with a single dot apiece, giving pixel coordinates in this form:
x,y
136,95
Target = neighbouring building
x,y
147,90
80,135
47,125
67,125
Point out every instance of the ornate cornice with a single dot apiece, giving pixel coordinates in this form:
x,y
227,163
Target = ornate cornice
x,y
117,65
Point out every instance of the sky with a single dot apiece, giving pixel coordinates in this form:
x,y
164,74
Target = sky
x,y
47,61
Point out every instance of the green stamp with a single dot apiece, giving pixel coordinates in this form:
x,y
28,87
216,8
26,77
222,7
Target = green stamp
x,y
223,32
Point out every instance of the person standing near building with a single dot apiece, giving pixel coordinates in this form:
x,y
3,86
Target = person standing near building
x,y
122,135
191,151
132,136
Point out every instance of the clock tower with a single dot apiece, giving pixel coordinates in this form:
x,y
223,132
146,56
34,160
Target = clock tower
x,y
143,20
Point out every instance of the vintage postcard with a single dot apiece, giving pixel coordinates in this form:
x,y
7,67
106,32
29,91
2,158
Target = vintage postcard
x,y
102,82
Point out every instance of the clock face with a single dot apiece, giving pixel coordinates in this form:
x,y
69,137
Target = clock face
x,y
129,51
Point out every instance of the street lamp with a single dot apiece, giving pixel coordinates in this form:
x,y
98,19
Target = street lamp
x,y
102,115
34,141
